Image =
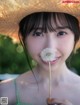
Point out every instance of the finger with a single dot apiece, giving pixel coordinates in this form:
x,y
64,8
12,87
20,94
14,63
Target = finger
x,y
67,102
54,101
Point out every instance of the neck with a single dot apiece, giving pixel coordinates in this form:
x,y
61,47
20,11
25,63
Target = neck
x,y
57,75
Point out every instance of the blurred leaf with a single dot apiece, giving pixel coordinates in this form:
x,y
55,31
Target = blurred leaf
x,y
12,57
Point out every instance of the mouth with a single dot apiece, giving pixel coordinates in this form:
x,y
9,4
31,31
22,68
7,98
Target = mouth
x,y
52,62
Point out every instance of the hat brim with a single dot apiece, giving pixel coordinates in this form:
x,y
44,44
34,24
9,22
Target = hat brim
x,y
12,11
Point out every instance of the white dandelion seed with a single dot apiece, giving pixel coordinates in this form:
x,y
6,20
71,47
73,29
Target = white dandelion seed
x,y
47,54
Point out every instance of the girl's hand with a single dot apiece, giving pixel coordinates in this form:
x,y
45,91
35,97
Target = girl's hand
x,y
58,102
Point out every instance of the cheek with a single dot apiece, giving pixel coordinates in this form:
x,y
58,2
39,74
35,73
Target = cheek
x,y
34,46
67,46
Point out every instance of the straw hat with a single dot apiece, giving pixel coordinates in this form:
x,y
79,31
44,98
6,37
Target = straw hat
x,y
12,11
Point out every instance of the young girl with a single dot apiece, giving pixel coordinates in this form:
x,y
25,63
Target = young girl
x,y
40,32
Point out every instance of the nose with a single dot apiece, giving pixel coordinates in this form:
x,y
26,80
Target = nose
x,y
51,42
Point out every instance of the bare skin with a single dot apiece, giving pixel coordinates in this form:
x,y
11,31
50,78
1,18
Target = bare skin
x,y
65,84
63,88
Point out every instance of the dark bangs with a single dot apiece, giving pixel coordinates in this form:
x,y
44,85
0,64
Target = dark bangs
x,y
48,21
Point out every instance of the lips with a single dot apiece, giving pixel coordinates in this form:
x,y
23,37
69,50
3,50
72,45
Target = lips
x,y
52,62
49,55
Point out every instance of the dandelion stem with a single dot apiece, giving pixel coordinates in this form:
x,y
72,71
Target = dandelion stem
x,y
49,80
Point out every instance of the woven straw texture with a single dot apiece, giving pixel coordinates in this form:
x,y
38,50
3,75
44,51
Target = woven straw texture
x,y
12,11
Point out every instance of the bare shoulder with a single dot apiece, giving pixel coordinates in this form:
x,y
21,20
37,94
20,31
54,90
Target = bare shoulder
x,y
74,78
27,86
74,82
27,82
7,89
76,89
27,78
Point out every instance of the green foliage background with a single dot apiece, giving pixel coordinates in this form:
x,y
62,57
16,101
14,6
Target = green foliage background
x,y
13,59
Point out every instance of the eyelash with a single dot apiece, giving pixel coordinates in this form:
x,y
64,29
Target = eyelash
x,y
37,33
60,33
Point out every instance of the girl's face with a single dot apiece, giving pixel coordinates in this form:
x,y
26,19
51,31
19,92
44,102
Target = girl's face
x,y
61,41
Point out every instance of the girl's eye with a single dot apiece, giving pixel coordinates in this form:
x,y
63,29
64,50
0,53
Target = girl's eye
x,y
37,33
61,33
